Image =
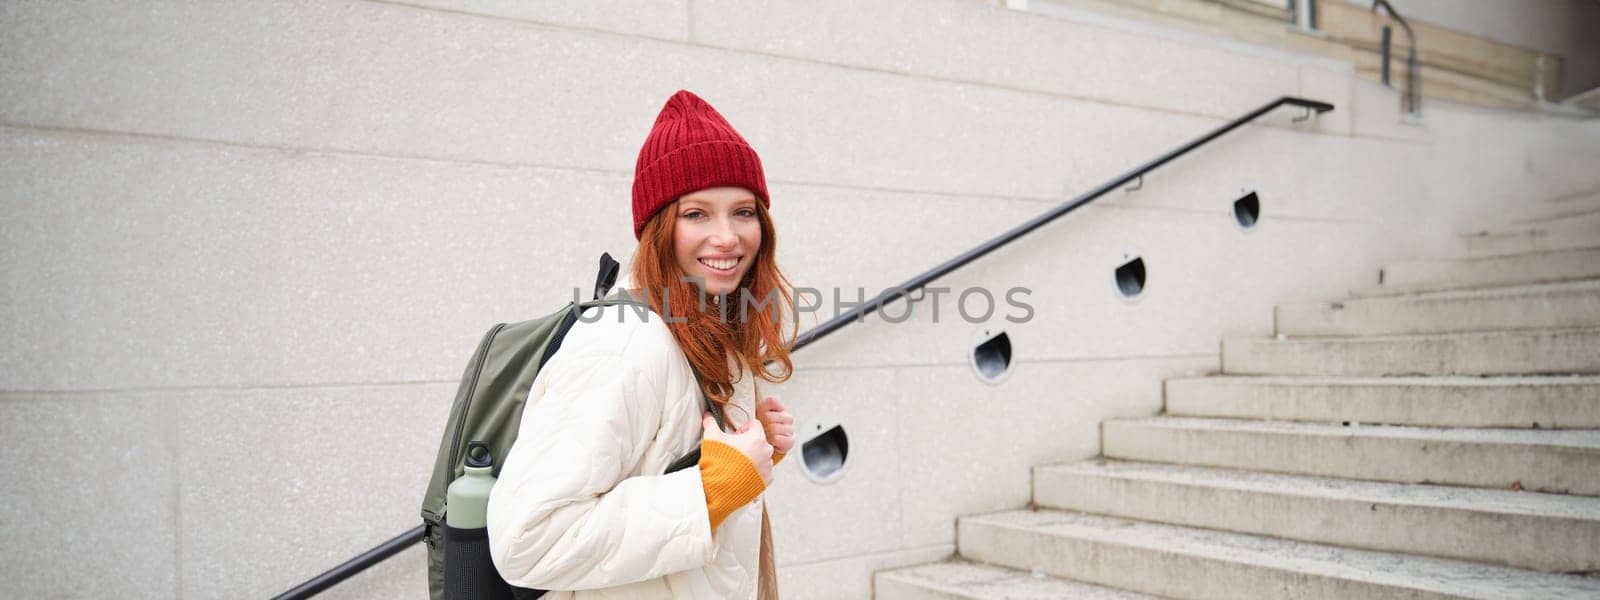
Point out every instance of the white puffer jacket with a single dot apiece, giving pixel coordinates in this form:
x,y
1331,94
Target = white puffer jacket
x,y
581,503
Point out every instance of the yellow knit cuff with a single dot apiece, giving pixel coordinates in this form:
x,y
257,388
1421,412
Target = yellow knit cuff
x,y
730,480
777,457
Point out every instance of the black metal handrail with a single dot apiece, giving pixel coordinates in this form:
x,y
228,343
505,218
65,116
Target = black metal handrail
x,y
355,565
1413,93
920,281
393,546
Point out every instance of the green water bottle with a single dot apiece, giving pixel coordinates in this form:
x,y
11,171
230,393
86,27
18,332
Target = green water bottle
x,y
467,498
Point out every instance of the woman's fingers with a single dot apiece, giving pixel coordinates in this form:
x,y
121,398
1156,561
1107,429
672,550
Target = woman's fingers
x,y
772,411
781,436
770,404
779,423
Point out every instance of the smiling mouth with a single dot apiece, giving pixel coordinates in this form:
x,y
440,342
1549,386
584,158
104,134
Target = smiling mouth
x,y
724,265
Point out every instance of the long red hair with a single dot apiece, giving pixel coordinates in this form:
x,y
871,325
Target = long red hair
x,y
708,339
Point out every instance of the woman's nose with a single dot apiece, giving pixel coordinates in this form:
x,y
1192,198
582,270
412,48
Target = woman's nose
x,y
722,235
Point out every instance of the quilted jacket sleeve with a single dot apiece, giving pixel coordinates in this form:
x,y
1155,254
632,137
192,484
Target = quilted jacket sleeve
x,y
562,514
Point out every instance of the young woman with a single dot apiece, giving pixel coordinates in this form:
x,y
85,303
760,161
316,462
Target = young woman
x,y
582,502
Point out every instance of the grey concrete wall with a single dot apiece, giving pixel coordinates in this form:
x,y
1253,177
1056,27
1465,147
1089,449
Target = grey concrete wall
x,y
1570,28
248,248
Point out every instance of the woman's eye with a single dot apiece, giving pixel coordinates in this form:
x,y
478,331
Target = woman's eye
x,y
693,214
748,212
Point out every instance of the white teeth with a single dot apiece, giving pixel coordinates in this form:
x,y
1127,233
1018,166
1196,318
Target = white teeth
x,y
723,264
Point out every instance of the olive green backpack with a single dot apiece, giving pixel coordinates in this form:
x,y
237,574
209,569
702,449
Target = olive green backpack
x,y
488,408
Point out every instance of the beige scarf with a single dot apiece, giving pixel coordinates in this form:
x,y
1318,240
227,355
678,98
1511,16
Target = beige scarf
x,y
767,581
767,575
767,569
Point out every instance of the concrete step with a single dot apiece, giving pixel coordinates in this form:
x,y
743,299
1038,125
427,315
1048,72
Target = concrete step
x,y
964,580
1499,270
1539,402
1581,203
1554,461
1547,306
1546,532
1577,231
1183,562
1542,351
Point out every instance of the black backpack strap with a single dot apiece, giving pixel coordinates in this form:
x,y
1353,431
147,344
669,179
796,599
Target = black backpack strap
x,y
603,281
607,277
561,334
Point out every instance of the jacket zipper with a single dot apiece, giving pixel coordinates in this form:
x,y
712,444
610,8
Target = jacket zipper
x,y
483,355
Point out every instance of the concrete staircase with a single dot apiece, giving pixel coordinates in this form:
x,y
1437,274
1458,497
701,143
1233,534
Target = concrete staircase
x,y
1435,436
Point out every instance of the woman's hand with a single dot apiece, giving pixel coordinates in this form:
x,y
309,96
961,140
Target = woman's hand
x,y
750,440
779,424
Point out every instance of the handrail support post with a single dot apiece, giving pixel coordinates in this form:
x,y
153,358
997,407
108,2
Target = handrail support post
x,y
1388,34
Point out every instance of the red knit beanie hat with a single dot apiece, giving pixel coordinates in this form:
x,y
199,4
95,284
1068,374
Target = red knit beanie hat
x,y
691,147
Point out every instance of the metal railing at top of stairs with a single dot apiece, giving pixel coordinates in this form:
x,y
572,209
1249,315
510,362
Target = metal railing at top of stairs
x,y
404,540
1412,99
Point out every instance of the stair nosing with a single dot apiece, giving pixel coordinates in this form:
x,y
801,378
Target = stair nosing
x,y
1417,433
1455,498
1570,286
1443,336
1489,257
1421,288
1400,380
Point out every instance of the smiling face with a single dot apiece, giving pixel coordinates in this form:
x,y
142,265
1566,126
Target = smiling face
x,y
716,236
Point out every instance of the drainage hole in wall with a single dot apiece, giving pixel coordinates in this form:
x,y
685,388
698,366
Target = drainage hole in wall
x,y
991,356
1130,278
823,456
1247,211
